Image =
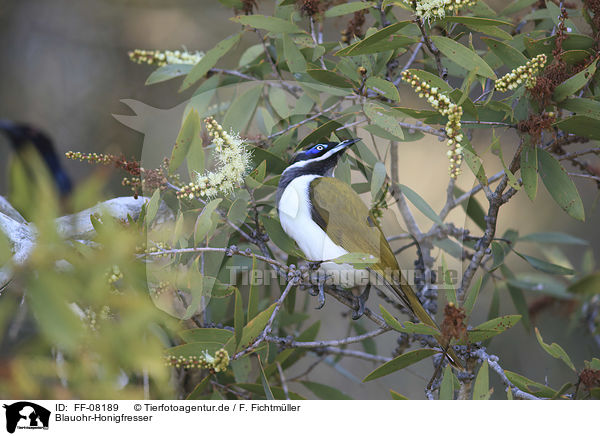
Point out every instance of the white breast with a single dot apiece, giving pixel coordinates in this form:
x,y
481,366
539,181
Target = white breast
x,y
296,221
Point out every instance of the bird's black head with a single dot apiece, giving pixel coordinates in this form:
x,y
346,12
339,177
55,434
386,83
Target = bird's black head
x,y
319,160
323,152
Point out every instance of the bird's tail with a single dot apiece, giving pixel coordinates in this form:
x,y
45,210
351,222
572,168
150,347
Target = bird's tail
x,y
409,298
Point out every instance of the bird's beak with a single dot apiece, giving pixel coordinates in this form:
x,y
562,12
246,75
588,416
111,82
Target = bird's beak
x,y
343,146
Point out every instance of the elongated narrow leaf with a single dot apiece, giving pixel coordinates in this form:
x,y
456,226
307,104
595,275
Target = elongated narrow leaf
x,y
407,326
251,330
383,40
582,125
510,56
347,8
152,207
359,260
330,78
168,72
189,130
264,381
575,83
447,386
559,185
492,327
377,179
241,110
238,317
462,55
205,220
420,204
206,335
529,170
553,238
555,350
293,56
383,117
325,392
400,362
544,266
587,285
270,24
383,87
481,389
209,60
198,391
472,296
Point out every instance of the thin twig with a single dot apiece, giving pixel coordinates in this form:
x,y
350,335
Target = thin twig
x,y
493,363
354,353
334,343
283,382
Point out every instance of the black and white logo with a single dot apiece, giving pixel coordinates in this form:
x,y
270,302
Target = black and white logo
x,y
26,415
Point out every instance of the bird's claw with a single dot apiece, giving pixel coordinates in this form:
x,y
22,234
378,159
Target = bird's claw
x,y
321,295
361,300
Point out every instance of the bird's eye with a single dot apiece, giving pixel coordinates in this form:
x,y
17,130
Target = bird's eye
x,y
320,147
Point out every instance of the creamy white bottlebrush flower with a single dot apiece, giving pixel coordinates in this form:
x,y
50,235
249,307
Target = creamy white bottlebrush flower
x,y
233,161
217,363
436,9
445,107
165,57
522,74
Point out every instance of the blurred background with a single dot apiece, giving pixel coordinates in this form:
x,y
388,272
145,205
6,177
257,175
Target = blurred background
x,y
65,69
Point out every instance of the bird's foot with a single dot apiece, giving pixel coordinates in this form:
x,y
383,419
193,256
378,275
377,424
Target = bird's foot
x,y
361,300
320,293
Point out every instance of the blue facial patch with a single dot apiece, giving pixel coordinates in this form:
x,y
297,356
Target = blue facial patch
x,y
317,149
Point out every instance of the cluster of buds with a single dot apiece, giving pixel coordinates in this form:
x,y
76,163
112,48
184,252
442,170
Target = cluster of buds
x,y
155,248
94,158
166,57
217,363
114,275
437,9
233,161
445,107
523,74
161,288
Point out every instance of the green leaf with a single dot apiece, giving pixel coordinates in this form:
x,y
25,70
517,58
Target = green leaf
x,y
264,381
447,386
205,221
473,209
555,350
588,285
152,207
544,266
383,118
481,389
270,24
198,391
520,303
396,396
380,41
279,237
293,55
220,336
358,260
251,330
574,83
253,296
377,179
194,349
188,132
492,328
209,60
241,109
447,282
580,125
511,57
407,326
168,72
420,204
553,238
472,296
325,392
559,185
330,78
516,6
400,362
529,168
238,317
582,106
278,393
534,388
383,87
347,8
462,55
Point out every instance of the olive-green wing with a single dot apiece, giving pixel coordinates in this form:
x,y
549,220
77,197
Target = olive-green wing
x,y
341,213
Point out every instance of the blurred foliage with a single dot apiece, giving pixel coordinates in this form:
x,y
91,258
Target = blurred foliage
x,y
100,317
